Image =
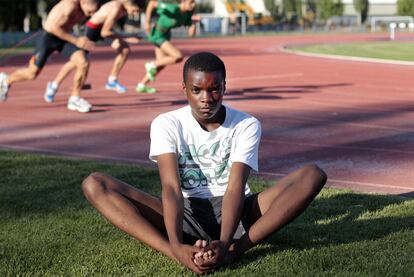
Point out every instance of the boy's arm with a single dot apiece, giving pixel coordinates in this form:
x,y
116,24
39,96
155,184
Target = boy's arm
x,y
231,208
152,5
110,20
173,210
233,201
57,28
192,29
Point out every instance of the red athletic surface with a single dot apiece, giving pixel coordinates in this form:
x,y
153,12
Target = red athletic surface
x,y
354,119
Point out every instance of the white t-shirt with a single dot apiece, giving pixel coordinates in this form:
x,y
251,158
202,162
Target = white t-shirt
x,y
205,158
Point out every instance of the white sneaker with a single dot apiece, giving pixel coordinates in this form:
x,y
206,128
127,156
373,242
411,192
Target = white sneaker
x,y
50,92
4,88
79,104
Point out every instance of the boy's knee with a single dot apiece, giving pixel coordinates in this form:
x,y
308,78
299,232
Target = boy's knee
x,y
93,184
316,175
32,74
83,65
125,50
179,59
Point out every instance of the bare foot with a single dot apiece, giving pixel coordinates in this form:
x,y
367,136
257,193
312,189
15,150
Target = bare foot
x,y
202,256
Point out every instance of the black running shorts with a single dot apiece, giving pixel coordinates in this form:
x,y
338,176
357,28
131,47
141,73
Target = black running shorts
x,y
202,218
47,44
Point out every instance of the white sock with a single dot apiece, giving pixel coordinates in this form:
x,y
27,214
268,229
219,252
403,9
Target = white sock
x,y
141,85
54,85
74,98
111,79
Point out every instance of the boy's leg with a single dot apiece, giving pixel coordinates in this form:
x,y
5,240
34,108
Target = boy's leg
x,y
280,204
65,70
28,73
53,86
142,86
23,74
81,63
123,50
75,102
133,211
171,55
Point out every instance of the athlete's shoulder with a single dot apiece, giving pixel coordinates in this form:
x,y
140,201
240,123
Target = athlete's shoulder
x,y
174,117
240,116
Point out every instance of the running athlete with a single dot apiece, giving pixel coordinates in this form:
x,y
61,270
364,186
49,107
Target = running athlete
x,y
56,36
170,16
98,28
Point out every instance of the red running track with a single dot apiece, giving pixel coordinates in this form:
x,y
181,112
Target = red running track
x,y
353,119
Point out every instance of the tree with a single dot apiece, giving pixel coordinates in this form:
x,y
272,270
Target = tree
x,y
15,14
327,8
405,7
362,7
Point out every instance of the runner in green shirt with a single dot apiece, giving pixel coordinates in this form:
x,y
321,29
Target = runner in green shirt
x,y
170,16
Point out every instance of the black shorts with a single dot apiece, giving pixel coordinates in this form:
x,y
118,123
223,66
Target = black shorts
x,y
202,218
47,44
93,31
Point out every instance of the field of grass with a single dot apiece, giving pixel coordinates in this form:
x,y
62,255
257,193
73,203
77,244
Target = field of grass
x,y
47,228
391,50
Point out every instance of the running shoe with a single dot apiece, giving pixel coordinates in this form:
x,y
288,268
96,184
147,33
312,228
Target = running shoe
x,y
116,86
4,88
79,104
151,70
141,88
50,93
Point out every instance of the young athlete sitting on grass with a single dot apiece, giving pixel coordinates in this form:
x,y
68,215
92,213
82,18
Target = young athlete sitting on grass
x,y
99,27
207,216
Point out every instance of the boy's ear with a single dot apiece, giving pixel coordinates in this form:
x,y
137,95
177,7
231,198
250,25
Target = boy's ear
x,y
183,86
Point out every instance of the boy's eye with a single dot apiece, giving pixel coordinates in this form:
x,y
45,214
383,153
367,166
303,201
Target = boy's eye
x,y
196,90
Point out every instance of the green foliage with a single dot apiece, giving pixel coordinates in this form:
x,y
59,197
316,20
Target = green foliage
x,y
203,7
362,7
272,8
47,228
405,7
327,8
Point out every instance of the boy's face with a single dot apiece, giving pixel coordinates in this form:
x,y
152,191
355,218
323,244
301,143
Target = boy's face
x,y
188,5
204,92
88,7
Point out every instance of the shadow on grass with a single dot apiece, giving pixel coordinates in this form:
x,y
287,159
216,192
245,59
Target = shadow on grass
x,y
341,218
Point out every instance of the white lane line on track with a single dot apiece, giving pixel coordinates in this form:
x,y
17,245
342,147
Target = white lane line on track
x,y
338,146
344,182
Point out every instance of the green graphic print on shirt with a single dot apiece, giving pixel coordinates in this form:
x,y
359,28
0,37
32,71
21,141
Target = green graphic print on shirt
x,y
206,166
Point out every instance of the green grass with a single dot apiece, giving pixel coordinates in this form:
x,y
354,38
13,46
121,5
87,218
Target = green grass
x,y
381,50
47,228
18,50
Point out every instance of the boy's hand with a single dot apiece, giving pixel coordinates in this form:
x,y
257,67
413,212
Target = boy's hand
x,y
219,251
84,43
185,254
195,18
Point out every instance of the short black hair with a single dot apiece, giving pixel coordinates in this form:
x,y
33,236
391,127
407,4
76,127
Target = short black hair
x,y
206,62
